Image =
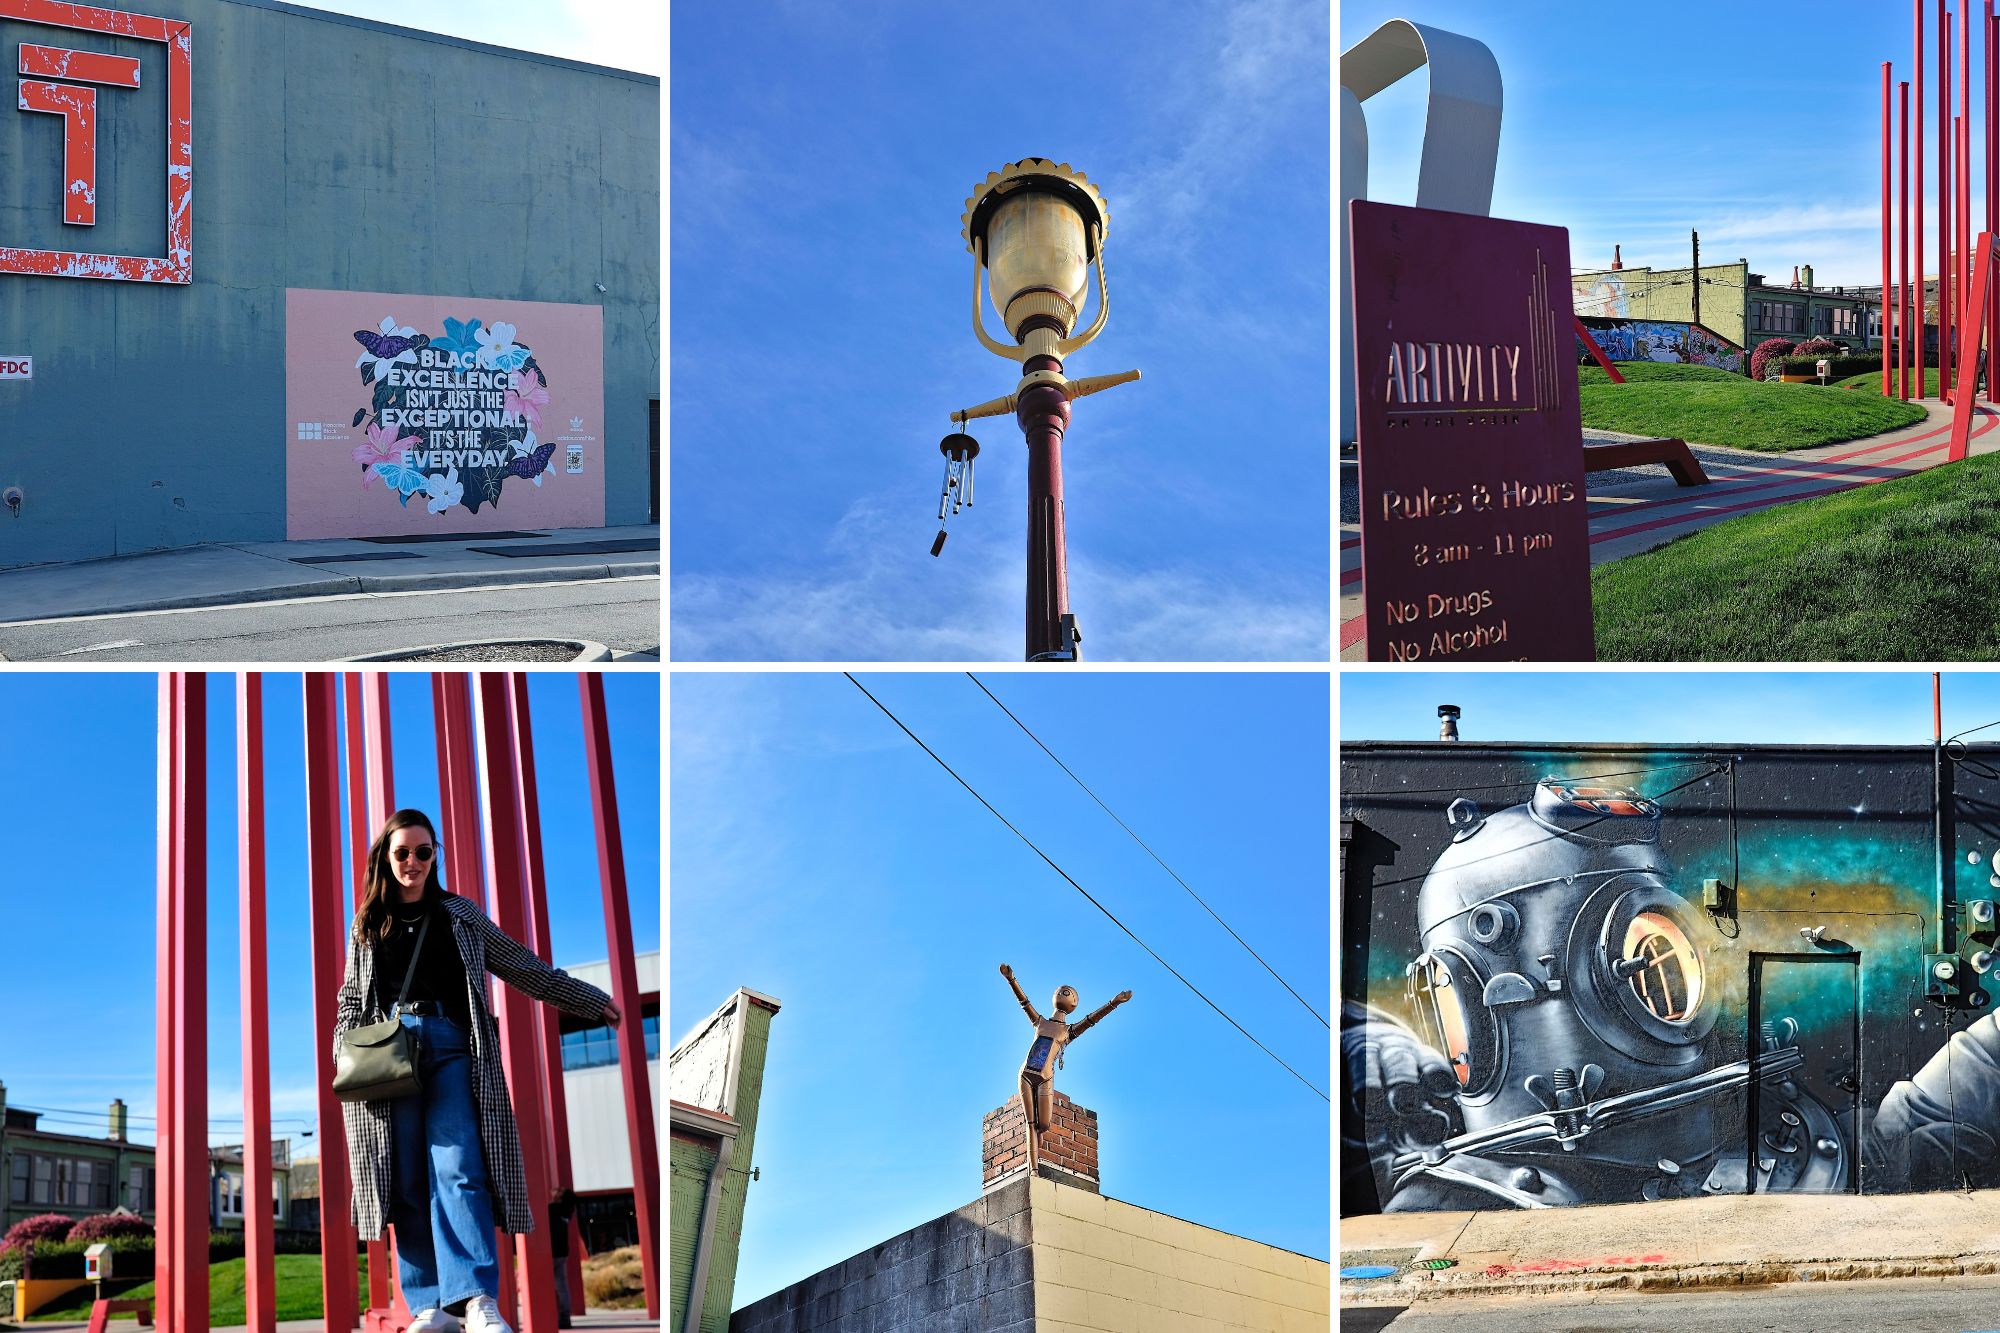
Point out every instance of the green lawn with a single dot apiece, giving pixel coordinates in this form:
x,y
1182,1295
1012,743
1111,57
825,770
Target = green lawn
x,y
298,1292
1638,372
1895,572
1719,408
1873,381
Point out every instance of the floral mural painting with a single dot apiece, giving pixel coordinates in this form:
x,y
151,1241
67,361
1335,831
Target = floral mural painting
x,y
451,417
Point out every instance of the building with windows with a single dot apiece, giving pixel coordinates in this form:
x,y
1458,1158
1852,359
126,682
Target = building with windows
x,y
51,1172
600,1149
1735,302
225,1186
272,273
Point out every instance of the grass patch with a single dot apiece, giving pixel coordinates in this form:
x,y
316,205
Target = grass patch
x,y
1640,372
1872,382
1894,572
1742,414
298,1282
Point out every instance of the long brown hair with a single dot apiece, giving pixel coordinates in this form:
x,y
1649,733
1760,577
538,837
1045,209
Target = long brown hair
x,y
379,885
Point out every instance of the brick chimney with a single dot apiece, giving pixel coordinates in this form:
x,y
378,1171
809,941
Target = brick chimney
x,y
1617,260
1069,1149
1795,275
118,1119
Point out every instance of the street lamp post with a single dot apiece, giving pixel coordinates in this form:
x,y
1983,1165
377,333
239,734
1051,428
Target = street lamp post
x,y
1033,228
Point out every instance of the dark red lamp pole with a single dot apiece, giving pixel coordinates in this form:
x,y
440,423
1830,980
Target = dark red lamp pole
x,y
1033,228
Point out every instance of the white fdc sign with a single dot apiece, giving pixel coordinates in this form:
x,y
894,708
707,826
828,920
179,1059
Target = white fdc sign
x,y
17,367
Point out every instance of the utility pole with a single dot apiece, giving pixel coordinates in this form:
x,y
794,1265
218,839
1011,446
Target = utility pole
x,y
1697,275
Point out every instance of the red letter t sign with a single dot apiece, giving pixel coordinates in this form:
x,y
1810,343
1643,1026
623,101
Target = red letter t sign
x,y
78,108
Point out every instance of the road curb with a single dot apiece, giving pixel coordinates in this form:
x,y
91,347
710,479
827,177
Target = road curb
x,y
339,585
1447,1285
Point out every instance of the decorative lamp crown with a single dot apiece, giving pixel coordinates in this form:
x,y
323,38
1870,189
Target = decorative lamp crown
x,y
1034,226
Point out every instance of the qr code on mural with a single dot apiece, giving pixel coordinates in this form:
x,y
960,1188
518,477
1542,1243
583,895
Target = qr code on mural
x,y
312,430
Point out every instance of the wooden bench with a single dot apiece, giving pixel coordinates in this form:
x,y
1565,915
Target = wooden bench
x,y
101,1312
1680,460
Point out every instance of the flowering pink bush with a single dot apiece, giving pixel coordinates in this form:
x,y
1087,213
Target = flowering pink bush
x,y
105,1226
1767,351
40,1227
1817,347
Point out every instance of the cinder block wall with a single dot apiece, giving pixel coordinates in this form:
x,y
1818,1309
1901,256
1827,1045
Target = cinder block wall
x,y
1070,1145
970,1271
1104,1266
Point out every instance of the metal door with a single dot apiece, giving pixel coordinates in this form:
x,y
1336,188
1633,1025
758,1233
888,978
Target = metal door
x,y
1805,1072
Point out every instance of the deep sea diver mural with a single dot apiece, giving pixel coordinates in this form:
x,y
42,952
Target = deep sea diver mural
x,y
1542,1006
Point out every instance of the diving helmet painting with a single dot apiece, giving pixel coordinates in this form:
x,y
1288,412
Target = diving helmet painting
x,y
1563,981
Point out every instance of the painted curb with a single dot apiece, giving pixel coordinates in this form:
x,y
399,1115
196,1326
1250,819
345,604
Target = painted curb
x,y
588,650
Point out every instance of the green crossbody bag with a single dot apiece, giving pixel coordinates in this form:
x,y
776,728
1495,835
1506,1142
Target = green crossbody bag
x,y
379,1060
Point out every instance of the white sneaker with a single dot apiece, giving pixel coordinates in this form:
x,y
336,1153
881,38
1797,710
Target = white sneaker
x,y
433,1321
482,1315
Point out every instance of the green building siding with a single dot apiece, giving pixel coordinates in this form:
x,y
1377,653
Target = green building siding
x,y
690,1162
736,1180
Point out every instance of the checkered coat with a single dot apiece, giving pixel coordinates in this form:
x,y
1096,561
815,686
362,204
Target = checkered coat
x,y
483,948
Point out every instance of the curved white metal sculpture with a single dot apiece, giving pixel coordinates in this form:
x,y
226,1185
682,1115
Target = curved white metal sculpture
x,y
1461,138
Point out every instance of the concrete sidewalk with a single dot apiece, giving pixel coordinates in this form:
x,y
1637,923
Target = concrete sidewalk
x,y
233,574
1724,1241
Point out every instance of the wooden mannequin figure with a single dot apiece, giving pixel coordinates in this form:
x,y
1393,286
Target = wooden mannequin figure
x,y
1038,1071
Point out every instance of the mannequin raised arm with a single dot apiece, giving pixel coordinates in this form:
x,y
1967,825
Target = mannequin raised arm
x,y
1019,994
1078,1029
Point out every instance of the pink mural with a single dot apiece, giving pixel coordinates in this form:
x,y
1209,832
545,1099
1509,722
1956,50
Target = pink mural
x,y
430,414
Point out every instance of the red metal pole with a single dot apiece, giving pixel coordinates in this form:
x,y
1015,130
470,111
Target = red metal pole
x,y
167,972
1975,311
1903,354
1963,147
183,1118
499,766
1992,144
260,1294
1945,202
624,982
557,1140
1883,323
1043,415
1916,233
1965,358
459,821
381,755
329,946
383,1295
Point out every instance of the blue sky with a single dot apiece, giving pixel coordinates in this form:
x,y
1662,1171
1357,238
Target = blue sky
x,y
79,919
1632,124
821,155
821,858
1786,706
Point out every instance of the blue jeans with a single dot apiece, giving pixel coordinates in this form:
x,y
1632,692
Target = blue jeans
x,y
443,1206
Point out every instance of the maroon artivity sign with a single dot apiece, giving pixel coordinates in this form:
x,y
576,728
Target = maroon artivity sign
x,y
1473,538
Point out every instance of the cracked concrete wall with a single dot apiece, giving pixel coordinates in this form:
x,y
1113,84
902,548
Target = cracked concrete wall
x,y
328,153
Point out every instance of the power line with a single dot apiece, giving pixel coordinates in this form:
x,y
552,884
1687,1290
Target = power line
x,y
1149,851
1078,887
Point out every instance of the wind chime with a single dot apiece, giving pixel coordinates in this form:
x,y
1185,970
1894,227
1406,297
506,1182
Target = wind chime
x,y
959,451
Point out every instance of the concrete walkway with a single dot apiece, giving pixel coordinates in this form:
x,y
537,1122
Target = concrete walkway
x,y
1636,509
234,574
1724,1241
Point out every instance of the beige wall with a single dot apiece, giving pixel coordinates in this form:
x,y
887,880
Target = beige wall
x,y
1102,1266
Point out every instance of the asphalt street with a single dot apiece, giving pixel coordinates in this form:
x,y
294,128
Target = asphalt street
x,y
623,613
1905,1305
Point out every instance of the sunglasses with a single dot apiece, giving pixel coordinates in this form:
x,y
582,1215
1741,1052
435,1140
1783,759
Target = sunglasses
x,y
423,854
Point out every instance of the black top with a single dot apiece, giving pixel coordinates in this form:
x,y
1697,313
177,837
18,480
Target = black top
x,y
440,973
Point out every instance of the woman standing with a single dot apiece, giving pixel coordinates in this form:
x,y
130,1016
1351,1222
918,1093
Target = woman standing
x,y
442,1165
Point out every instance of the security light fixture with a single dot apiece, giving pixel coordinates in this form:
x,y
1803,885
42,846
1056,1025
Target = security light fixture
x,y
1034,228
